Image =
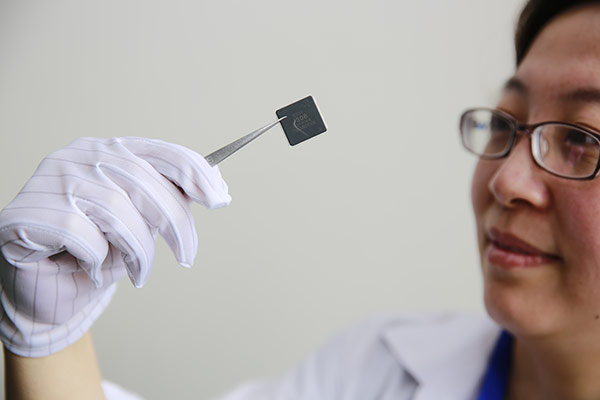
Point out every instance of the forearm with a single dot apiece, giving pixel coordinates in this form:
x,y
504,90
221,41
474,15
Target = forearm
x,y
72,373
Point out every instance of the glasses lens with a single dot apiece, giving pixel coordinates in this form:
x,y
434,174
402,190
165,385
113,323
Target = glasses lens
x,y
486,132
565,150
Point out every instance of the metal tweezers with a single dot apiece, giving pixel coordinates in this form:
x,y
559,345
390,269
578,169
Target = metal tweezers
x,y
219,155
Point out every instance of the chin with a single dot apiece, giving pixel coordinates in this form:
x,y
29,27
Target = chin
x,y
520,310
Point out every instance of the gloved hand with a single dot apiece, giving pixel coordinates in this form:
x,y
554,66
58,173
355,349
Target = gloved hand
x,y
87,217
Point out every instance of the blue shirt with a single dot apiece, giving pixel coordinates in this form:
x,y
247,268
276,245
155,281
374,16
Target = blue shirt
x,y
495,380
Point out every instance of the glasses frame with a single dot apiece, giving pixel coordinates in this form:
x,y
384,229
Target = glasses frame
x,y
519,129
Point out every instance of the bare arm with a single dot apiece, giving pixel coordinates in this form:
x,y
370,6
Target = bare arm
x,y
72,373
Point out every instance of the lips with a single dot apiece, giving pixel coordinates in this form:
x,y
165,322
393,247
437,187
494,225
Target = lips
x,y
508,251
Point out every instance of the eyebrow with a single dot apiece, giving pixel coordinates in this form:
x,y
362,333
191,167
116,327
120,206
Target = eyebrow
x,y
582,95
514,84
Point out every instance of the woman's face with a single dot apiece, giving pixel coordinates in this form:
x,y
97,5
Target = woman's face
x,y
539,235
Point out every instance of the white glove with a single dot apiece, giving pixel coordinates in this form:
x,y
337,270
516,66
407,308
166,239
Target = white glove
x,y
87,216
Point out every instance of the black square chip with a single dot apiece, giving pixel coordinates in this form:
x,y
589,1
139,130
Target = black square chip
x,y
302,121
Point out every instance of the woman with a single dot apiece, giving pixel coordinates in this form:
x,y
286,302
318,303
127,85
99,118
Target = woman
x,y
537,219
537,231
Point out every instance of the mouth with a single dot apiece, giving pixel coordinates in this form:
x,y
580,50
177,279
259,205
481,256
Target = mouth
x,y
508,251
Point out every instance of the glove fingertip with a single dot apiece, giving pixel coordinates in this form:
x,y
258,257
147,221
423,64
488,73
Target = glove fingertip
x,y
223,201
135,281
186,260
137,285
138,273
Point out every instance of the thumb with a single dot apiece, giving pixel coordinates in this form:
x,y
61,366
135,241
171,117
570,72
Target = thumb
x,y
184,167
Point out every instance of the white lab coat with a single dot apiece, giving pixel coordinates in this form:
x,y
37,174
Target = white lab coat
x,y
418,357
426,357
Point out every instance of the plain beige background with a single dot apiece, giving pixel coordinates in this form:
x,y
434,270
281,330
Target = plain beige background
x,y
372,216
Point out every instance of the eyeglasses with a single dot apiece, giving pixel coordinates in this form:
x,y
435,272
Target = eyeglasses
x,y
562,149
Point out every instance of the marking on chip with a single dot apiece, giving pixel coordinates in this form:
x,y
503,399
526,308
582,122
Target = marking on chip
x,y
304,120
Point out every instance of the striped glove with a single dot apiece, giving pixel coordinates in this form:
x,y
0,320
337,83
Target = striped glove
x,y
87,217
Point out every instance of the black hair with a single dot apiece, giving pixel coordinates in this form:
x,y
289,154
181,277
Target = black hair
x,y
535,15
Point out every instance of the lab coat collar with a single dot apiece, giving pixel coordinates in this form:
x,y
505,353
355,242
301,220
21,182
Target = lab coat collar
x,y
447,355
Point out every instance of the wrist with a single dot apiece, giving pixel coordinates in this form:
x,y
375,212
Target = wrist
x,y
71,373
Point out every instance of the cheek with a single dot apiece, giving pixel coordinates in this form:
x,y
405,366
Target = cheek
x,y
481,197
579,235
577,230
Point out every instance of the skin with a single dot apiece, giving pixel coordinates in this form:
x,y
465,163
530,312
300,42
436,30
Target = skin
x,y
553,308
72,373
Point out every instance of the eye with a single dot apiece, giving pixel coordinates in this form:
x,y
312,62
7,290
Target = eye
x,y
578,138
566,150
580,150
499,124
486,132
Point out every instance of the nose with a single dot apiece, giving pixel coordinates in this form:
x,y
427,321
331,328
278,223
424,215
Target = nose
x,y
518,180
